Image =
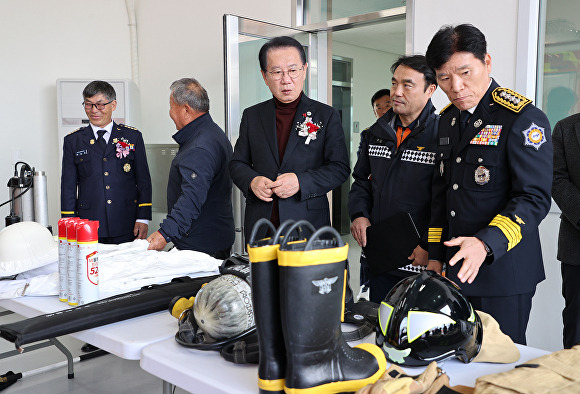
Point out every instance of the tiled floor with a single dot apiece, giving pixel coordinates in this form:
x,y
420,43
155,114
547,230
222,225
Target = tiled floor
x,y
105,374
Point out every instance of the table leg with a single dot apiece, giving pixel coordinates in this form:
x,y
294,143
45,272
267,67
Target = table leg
x,y
66,352
167,387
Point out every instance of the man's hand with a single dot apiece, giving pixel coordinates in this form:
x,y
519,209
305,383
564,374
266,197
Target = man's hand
x,y
286,185
259,186
473,253
358,229
156,241
419,256
140,230
435,265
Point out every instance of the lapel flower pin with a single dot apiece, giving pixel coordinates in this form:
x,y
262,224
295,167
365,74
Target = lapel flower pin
x,y
308,128
123,148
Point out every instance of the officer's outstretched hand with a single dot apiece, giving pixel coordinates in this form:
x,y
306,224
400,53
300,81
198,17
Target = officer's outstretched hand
x,y
473,253
140,230
156,241
358,229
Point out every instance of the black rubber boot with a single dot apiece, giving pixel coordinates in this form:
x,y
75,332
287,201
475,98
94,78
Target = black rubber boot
x,y
263,256
312,295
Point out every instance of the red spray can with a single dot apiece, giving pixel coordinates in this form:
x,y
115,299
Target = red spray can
x,y
72,253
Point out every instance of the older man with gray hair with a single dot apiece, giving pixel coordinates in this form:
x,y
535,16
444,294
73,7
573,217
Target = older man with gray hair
x,y
199,188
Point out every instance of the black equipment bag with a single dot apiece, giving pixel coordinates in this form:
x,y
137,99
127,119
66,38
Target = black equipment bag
x,y
149,299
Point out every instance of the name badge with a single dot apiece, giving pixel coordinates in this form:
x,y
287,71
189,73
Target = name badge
x,y
81,152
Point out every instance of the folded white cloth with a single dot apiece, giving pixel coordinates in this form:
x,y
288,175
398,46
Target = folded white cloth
x,y
122,268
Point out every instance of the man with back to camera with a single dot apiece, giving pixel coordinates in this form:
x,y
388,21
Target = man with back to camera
x,y
199,187
492,185
566,193
105,175
291,149
394,171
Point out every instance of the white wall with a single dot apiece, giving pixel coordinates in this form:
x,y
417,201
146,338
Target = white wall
x,y
45,40
545,325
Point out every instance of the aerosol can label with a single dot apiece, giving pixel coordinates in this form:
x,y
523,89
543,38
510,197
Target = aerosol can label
x,y
63,259
88,262
88,272
72,257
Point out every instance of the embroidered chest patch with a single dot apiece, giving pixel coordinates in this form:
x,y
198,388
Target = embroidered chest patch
x,y
379,151
421,157
534,136
489,135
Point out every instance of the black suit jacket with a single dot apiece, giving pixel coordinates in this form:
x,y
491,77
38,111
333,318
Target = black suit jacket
x,y
566,187
101,186
321,165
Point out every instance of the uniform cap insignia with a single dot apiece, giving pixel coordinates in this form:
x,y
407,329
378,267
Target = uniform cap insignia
x,y
519,220
127,167
481,175
534,136
92,141
489,135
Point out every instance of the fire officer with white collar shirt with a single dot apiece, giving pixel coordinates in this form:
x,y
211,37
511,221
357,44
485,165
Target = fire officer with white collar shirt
x,y
492,184
105,175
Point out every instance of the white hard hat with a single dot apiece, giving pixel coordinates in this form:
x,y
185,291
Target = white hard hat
x,y
24,246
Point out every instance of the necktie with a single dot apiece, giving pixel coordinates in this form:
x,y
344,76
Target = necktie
x,y
463,119
101,140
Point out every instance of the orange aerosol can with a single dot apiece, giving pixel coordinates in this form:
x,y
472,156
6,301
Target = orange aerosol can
x,y
88,262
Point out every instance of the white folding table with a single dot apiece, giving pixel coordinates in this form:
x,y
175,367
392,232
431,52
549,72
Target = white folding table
x,y
208,373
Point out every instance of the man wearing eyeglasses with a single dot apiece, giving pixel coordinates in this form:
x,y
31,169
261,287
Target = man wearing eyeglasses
x,y
291,149
105,175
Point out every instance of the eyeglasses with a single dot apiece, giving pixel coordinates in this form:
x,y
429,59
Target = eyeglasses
x,y
293,73
100,106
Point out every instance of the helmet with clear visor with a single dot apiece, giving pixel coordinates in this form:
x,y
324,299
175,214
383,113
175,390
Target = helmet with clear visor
x,y
426,318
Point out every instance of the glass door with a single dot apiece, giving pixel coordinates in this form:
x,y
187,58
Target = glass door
x,y
245,87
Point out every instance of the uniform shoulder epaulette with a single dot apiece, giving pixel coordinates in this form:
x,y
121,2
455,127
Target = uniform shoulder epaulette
x,y
445,109
74,131
128,127
510,99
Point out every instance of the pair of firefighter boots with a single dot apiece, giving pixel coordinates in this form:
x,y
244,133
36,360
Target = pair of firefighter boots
x,y
298,294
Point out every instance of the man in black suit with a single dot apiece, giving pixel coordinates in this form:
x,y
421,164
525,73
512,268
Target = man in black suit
x,y
566,193
291,149
492,184
105,175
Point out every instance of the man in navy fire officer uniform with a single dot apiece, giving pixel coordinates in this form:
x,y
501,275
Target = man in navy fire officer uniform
x,y
291,149
199,188
105,176
492,183
394,170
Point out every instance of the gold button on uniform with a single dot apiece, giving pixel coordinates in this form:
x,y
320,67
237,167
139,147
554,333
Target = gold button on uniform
x,y
458,160
455,186
452,213
109,201
106,173
104,159
107,187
